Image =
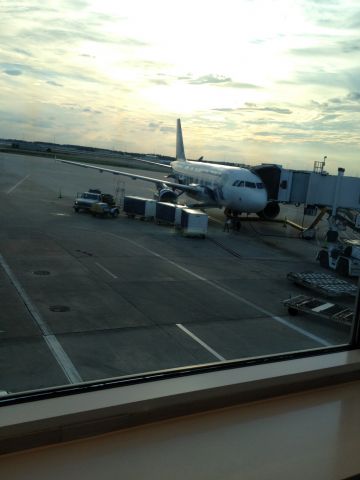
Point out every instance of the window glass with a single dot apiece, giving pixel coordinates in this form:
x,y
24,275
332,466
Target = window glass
x,y
91,293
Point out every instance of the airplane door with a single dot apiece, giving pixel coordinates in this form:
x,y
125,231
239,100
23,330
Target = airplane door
x,y
299,187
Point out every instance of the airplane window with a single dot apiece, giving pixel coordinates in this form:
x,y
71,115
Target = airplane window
x,y
242,184
250,184
260,185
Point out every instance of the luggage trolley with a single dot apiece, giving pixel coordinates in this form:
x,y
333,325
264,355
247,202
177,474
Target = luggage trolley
x,y
320,308
323,283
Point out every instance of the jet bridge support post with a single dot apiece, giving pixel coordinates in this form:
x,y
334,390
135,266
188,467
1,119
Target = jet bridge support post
x,y
337,190
309,232
334,224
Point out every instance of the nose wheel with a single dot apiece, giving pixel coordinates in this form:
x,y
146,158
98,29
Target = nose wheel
x,y
229,213
234,217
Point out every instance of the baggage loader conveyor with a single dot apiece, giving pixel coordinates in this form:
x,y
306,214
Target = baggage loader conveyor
x,y
320,308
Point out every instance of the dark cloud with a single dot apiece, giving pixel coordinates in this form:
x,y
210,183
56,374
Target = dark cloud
x,y
154,126
159,81
55,84
353,96
252,107
22,9
331,47
318,51
160,127
338,105
45,73
12,71
210,79
347,78
74,32
284,111
23,52
167,129
90,110
219,80
335,100
327,13
350,46
354,22
264,134
329,117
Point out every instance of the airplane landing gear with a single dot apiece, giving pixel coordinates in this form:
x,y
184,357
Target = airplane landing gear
x,y
229,213
232,220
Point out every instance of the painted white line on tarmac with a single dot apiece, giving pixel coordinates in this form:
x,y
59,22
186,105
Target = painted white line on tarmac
x,y
203,344
52,342
105,270
280,320
17,184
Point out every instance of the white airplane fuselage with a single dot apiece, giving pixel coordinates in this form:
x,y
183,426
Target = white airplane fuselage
x,y
235,188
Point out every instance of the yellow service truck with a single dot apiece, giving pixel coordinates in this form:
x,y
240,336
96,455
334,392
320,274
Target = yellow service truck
x,y
102,209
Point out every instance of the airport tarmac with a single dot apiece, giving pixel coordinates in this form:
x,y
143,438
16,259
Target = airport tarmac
x,y
86,298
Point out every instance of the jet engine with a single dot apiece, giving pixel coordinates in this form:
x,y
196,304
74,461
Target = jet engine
x,y
167,195
270,212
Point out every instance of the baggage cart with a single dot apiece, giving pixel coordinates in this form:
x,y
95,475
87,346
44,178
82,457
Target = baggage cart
x,y
321,308
138,206
323,283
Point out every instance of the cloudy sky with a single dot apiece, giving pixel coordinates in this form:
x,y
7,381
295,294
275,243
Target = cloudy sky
x,y
252,80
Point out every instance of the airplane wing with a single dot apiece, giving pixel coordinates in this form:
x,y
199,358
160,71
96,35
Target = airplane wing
x,y
159,183
153,163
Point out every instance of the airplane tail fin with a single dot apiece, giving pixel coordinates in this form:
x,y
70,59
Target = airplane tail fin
x,y
180,151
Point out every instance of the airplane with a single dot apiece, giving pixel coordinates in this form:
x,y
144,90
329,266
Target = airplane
x,y
237,189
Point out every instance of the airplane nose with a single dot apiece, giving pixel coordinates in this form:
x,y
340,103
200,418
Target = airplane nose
x,y
260,202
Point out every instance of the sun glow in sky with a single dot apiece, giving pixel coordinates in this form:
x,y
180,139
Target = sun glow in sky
x,y
252,80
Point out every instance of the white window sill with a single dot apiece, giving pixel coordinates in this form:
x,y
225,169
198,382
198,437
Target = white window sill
x,y
53,420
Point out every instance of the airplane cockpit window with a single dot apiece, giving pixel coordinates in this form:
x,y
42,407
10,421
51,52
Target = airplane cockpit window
x,y
238,183
250,184
260,185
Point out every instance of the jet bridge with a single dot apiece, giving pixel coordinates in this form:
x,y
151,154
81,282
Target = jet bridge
x,y
316,188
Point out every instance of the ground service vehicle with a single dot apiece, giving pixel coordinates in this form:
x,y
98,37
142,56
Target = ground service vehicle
x,y
85,200
343,257
102,209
